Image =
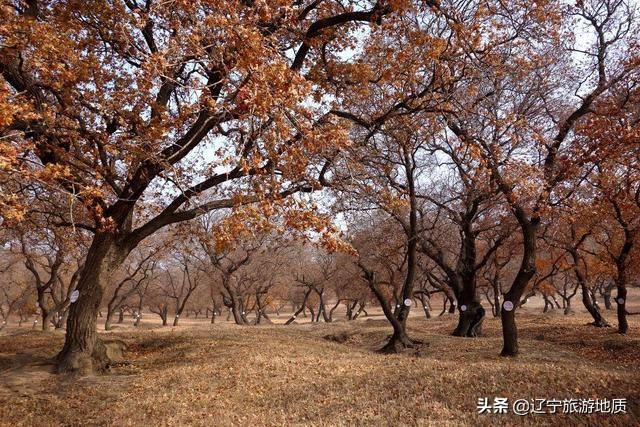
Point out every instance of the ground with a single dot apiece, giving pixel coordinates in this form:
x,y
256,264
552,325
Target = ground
x,y
323,374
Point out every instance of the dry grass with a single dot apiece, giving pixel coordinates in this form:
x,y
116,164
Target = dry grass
x,y
277,375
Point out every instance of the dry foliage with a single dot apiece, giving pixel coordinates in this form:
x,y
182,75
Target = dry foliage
x,y
272,375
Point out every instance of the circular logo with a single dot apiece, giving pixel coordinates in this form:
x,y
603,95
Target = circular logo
x,y
508,305
74,296
463,307
408,302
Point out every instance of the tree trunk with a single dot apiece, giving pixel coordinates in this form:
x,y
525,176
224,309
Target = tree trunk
x,y
509,333
497,290
607,296
82,351
108,321
621,299
592,307
452,306
512,298
301,309
399,340
333,309
470,320
568,309
46,321
425,305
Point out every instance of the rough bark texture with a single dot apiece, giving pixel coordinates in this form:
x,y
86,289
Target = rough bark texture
x,y
509,333
525,273
621,300
589,302
82,351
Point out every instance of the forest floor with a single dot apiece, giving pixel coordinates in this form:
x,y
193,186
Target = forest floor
x,y
324,374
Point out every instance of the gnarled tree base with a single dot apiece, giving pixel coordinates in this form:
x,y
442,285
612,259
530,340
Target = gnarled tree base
x,y
470,323
600,324
100,361
509,353
398,344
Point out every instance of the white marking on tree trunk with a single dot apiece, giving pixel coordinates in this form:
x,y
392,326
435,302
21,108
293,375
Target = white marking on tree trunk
x,y
620,301
508,305
408,302
74,296
463,307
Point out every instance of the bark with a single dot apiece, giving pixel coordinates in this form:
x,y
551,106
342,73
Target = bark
x,y
82,351
509,333
588,299
399,340
301,309
108,321
332,309
606,294
525,273
567,308
591,305
234,304
452,306
470,320
496,299
621,300
360,310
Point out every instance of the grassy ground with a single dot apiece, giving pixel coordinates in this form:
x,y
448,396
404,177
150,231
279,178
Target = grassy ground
x,y
199,374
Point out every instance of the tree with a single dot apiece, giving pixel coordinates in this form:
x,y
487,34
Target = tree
x,y
15,293
54,263
522,124
112,103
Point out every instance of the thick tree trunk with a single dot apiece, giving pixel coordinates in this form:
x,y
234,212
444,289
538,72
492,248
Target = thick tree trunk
x,y
509,333
47,321
470,320
591,305
236,309
568,309
82,351
452,306
621,300
512,298
424,300
607,296
399,341
108,321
